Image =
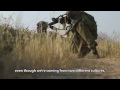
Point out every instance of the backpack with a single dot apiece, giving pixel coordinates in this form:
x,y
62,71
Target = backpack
x,y
90,22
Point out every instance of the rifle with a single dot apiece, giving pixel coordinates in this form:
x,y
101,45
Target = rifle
x,y
60,19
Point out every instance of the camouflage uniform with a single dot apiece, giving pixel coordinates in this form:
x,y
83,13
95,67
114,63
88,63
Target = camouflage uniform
x,y
84,29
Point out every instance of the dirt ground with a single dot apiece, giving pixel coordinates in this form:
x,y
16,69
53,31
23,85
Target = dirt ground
x,y
111,69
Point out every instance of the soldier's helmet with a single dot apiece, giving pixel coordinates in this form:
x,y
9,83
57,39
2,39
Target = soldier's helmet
x,y
72,14
42,26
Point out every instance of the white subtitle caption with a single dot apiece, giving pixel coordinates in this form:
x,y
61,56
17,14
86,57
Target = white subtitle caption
x,y
58,71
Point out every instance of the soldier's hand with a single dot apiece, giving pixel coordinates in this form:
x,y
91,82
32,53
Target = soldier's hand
x,y
53,19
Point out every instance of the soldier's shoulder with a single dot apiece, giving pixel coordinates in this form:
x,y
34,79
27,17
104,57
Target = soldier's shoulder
x,y
42,22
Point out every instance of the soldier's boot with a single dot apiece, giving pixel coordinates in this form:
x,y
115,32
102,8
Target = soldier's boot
x,y
95,52
83,52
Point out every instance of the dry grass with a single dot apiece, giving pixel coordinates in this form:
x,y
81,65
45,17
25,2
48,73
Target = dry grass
x,y
23,49
109,47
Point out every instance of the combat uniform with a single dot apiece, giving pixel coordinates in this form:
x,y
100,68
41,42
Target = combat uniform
x,y
84,29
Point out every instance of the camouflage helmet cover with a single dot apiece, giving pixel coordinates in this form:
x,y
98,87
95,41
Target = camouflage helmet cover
x,y
72,14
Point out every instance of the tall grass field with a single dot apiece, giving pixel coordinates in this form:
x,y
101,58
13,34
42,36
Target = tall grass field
x,y
24,49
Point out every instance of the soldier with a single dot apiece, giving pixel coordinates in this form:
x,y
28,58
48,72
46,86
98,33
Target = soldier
x,y
42,26
84,29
